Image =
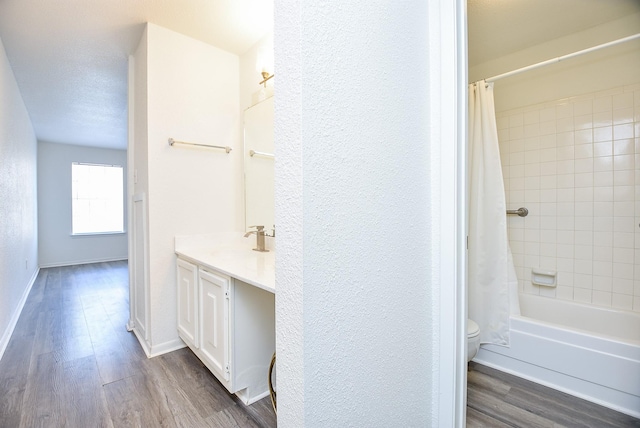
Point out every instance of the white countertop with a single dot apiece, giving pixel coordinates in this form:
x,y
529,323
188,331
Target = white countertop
x,y
232,255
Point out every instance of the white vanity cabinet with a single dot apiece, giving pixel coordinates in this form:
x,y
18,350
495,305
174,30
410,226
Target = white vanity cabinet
x,y
188,302
214,296
229,325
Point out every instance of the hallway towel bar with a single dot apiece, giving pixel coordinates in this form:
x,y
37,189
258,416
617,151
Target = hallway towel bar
x,y
522,212
225,148
266,155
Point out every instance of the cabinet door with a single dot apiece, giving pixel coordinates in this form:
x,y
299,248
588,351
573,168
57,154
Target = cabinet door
x,y
214,322
188,302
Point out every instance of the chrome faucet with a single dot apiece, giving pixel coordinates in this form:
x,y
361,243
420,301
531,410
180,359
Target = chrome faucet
x,y
259,238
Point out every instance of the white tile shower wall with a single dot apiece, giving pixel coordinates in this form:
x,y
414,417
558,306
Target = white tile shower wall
x,y
574,163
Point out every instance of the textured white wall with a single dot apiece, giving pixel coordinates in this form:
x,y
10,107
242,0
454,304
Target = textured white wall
x,y
288,214
192,96
56,246
354,304
18,209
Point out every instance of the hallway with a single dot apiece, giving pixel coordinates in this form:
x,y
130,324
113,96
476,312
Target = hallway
x,y
71,363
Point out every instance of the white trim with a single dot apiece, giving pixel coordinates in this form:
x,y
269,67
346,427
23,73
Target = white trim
x,y
462,125
250,400
449,130
166,347
130,183
152,351
96,164
141,340
6,336
92,234
82,262
136,264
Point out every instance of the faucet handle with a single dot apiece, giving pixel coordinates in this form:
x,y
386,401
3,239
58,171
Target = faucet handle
x,y
259,228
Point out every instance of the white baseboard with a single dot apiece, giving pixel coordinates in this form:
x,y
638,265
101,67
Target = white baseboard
x,y
6,336
156,350
81,262
166,347
143,343
250,400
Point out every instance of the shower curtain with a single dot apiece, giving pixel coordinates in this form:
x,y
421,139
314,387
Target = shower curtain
x,y
492,283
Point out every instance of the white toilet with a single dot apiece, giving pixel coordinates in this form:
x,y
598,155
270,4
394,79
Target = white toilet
x,y
473,339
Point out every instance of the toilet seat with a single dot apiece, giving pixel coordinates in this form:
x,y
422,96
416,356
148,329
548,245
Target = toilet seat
x,y
473,339
472,329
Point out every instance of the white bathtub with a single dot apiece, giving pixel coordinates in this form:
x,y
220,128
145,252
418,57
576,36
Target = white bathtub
x,y
590,352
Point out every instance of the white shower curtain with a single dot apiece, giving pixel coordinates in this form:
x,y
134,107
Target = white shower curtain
x,y
492,283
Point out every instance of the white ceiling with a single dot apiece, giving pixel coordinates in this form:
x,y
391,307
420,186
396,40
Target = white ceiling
x,y
70,56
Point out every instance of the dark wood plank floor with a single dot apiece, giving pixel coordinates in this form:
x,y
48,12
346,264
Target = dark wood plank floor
x,y
71,363
497,399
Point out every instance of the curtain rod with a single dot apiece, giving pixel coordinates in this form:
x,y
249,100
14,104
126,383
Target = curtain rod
x,y
561,58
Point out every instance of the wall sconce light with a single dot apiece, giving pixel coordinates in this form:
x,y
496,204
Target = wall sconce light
x,y
265,77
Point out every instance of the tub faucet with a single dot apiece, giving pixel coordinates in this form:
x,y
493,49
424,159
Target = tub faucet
x,y
259,238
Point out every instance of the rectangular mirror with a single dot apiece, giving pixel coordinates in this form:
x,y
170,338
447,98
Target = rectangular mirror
x,y
259,165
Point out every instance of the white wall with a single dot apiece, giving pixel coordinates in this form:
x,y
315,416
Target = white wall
x,y
139,172
192,95
18,209
56,245
358,209
250,71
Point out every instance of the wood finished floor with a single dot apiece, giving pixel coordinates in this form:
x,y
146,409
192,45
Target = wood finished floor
x,y
497,399
71,363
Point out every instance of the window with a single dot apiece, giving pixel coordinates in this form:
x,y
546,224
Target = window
x,y
97,198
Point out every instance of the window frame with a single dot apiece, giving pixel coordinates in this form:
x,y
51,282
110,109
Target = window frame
x,y
124,208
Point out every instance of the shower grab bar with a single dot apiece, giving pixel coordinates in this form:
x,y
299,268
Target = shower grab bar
x,y
522,212
209,146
